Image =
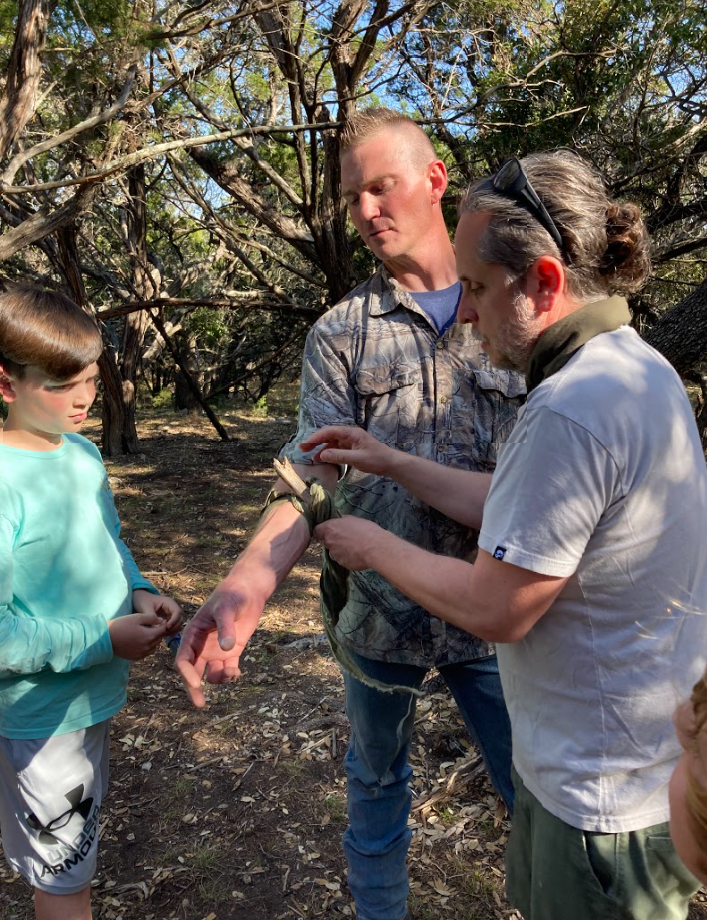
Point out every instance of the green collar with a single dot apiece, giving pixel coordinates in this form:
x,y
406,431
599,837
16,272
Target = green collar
x,y
559,342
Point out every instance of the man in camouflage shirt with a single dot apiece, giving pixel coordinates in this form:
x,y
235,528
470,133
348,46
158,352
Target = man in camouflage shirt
x,y
376,361
388,358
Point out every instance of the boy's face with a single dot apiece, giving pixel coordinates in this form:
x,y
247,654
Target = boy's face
x,y
42,409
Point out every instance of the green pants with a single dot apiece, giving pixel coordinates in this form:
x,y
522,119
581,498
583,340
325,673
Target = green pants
x,y
558,872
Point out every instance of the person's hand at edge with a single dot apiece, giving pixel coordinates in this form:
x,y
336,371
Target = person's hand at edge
x,y
351,541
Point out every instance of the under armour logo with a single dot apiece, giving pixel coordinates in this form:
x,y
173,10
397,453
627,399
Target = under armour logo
x,y
78,806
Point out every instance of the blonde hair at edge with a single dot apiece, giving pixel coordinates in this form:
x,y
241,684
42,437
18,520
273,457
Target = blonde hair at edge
x,y
696,796
369,123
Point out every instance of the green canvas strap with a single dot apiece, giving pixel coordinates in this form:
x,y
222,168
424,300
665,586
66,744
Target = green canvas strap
x,y
333,584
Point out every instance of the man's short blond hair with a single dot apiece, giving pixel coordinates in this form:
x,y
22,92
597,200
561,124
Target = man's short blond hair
x,y
371,122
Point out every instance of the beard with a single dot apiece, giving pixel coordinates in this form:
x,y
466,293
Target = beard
x,y
515,337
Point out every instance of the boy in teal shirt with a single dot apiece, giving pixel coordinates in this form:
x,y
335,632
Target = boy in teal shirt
x,y
74,609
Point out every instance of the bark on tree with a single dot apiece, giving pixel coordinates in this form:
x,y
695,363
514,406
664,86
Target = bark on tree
x,y
112,402
184,397
19,99
681,333
135,323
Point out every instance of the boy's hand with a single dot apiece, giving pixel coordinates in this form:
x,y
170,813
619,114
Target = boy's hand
x,y
164,607
137,635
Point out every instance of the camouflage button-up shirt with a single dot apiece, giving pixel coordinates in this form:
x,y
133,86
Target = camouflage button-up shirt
x,y
375,360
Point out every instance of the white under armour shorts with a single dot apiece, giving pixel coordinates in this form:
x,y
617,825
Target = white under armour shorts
x,y
51,791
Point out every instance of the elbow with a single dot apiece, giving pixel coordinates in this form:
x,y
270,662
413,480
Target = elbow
x,y
508,635
502,628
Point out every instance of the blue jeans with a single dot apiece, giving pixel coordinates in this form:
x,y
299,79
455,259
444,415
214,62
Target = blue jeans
x,y
379,797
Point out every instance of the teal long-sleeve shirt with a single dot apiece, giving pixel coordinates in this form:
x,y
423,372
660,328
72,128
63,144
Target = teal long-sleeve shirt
x,y
64,572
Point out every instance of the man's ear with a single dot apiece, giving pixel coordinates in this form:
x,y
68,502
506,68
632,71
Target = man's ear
x,y
6,389
438,180
546,282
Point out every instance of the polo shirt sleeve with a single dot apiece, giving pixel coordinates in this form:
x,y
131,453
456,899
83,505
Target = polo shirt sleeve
x,y
553,483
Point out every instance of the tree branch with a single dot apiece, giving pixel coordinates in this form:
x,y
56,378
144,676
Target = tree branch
x,y
86,125
42,223
155,150
18,101
231,303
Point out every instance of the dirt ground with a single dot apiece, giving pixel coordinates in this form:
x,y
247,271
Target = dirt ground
x,y
237,811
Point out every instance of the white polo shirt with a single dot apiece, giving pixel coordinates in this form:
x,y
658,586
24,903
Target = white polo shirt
x,y
603,480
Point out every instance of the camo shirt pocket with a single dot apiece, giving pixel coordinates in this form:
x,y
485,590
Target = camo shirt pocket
x,y
388,401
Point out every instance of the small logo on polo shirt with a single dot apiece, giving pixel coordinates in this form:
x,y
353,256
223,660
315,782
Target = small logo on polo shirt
x,y
499,552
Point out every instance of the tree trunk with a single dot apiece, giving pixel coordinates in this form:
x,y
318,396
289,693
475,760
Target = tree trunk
x,y
113,418
112,403
681,333
184,397
701,409
19,100
135,323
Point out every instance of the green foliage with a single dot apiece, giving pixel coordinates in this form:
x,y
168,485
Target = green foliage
x,y
623,83
163,400
8,15
210,327
101,16
260,407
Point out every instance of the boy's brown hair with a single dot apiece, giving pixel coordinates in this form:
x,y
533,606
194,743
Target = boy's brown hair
x,y
47,330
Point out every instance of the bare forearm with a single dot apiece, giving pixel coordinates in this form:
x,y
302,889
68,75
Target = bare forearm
x,y
440,584
277,545
279,541
494,600
459,494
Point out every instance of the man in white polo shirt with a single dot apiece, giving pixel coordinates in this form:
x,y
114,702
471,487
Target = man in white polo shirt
x,y
592,571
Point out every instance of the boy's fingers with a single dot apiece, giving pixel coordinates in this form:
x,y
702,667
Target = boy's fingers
x,y
168,610
173,621
150,619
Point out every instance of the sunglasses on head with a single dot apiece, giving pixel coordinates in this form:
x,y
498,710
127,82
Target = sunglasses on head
x,y
512,182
